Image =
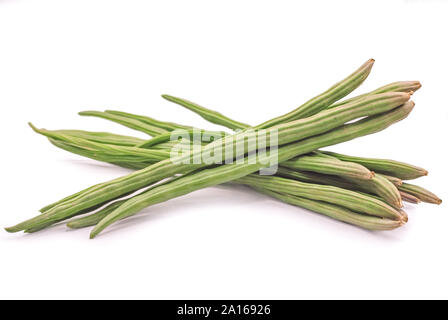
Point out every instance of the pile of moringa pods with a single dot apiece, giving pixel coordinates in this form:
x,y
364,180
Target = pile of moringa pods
x,y
364,192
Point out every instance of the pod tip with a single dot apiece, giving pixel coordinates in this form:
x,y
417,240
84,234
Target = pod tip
x,y
33,127
11,229
404,216
418,85
368,65
69,225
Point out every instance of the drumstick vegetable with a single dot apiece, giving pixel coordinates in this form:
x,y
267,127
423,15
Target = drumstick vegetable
x,y
361,191
337,212
222,120
115,188
409,197
393,168
226,173
130,123
311,107
420,193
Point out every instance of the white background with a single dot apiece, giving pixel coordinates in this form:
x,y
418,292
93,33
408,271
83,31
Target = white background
x,y
251,60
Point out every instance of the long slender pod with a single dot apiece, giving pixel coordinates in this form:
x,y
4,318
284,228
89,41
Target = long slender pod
x,y
346,198
255,180
396,181
420,193
130,123
208,114
337,212
128,159
399,86
377,186
103,137
322,101
311,160
204,135
163,169
107,150
221,174
311,107
319,164
131,158
334,211
380,186
315,162
168,126
287,133
220,119
94,218
409,197
393,168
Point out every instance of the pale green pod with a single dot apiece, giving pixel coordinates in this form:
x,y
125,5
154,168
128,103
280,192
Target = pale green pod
x,y
168,126
208,114
380,186
94,218
337,212
221,174
346,198
311,107
103,137
286,132
409,197
130,123
393,168
324,165
399,86
220,119
396,181
322,101
420,193
108,151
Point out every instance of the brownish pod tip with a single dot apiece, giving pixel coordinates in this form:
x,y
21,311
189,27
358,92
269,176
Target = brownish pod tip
x,y
404,216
